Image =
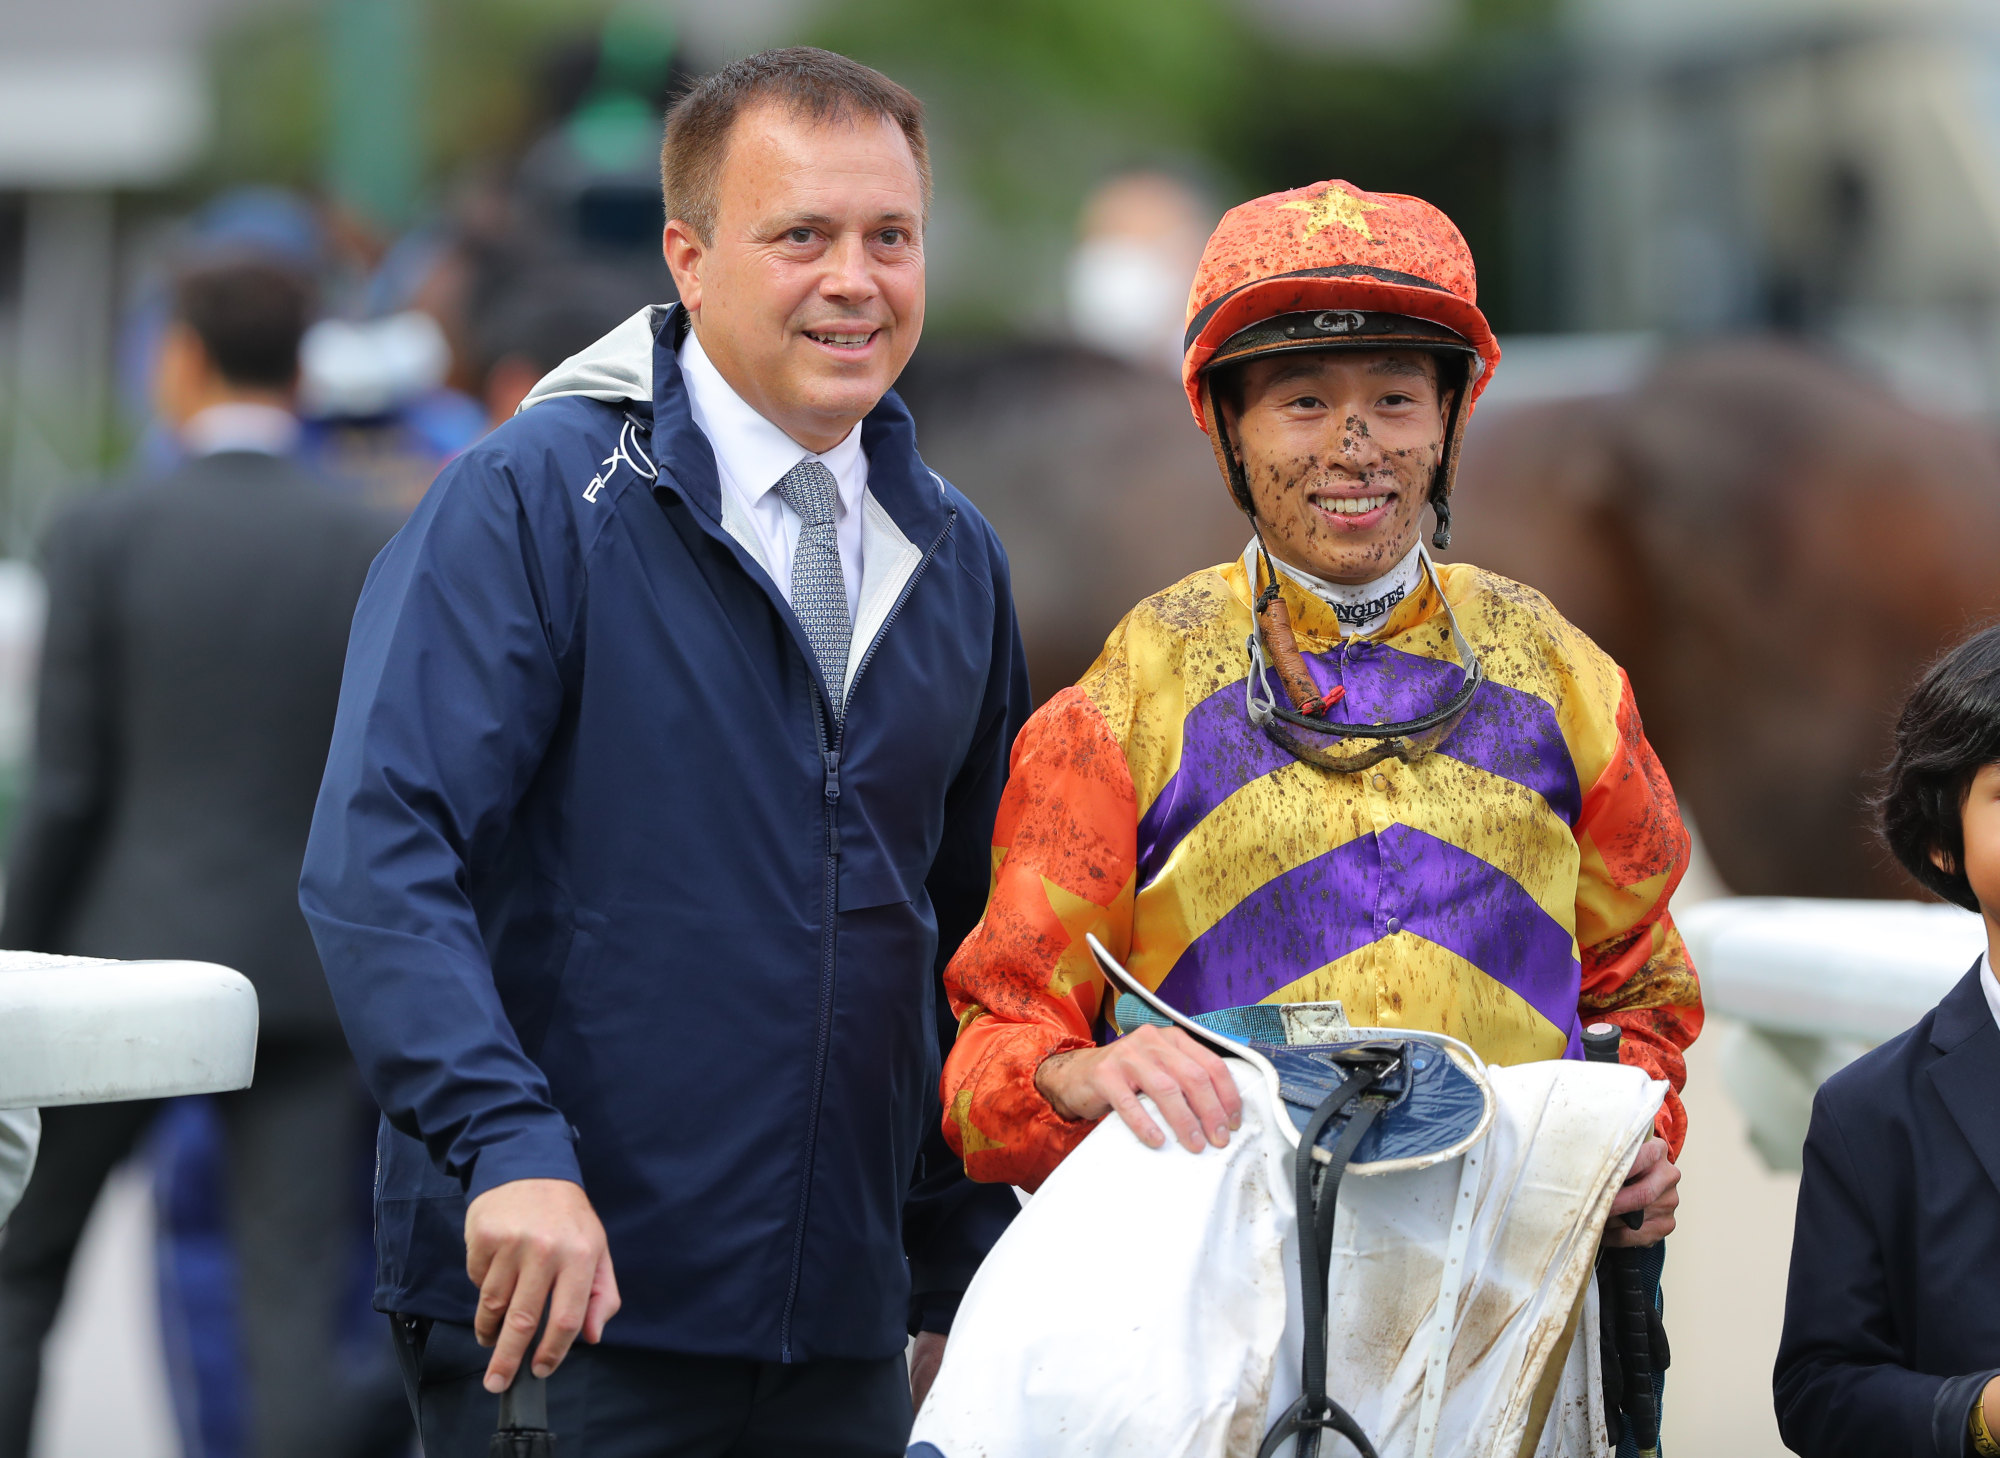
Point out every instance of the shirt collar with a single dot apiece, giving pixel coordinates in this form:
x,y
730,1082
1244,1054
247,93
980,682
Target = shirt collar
x,y
240,425
753,453
1391,603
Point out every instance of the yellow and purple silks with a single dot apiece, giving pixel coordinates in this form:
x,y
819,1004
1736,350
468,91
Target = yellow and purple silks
x,y
1505,889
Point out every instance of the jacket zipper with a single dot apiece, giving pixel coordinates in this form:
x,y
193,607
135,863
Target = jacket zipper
x,y
830,746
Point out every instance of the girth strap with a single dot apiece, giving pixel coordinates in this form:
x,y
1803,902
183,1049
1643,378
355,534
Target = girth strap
x,y
1317,1190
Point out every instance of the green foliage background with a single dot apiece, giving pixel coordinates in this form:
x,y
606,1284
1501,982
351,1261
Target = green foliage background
x,y
1032,101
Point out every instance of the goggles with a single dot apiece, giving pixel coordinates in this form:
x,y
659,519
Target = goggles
x,y
1350,748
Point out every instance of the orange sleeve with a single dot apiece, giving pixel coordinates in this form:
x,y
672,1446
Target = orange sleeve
x,y
1636,971
1023,985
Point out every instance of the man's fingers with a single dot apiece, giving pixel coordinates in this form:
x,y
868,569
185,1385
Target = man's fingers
x,y
1213,1070
1651,1176
1164,1090
496,1294
1225,1087
1126,1102
1196,1085
1659,1225
569,1298
524,1315
604,1300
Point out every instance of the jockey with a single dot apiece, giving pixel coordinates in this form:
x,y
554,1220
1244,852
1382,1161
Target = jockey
x,y
1331,770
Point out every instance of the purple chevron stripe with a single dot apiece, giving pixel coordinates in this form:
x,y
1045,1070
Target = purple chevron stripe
x,y
1506,732
1221,752
1400,880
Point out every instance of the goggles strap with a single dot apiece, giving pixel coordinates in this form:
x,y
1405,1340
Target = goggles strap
x,y
1276,620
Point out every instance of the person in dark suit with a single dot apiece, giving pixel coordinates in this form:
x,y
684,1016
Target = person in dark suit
x,y
197,627
1892,1317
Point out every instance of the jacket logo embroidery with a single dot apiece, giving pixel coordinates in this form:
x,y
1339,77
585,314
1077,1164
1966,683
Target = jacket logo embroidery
x,y
623,453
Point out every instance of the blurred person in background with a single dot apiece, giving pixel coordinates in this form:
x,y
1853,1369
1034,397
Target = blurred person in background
x,y
1126,285
667,758
196,630
537,318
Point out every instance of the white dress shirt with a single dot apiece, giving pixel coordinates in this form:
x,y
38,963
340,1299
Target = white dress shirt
x,y
1991,985
752,455
240,426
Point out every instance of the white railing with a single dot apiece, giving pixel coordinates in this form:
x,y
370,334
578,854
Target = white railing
x,y
75,1030
1809,985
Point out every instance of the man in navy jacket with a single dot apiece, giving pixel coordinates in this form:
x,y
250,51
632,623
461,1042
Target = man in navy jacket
x,y
672,732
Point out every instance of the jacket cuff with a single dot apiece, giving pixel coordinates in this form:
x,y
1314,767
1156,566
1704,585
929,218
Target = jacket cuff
x,y
1951,1413
530,1155
933,1311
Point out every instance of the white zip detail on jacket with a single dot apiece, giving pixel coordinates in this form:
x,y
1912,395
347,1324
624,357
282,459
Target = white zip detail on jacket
x,y
618,370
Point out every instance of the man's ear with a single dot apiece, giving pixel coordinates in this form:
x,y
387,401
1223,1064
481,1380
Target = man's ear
x,y
184,378
683,251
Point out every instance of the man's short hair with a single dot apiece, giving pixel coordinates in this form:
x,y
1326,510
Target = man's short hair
x,y
249,315
818,85
1949,730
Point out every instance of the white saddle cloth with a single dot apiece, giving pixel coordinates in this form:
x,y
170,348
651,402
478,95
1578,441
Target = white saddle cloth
x,y
1145,1303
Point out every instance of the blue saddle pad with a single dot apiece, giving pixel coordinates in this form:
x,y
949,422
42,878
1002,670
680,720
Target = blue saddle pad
x,y
1435,1103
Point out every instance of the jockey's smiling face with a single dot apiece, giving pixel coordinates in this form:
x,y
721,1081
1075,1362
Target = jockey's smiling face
x,y
1339,448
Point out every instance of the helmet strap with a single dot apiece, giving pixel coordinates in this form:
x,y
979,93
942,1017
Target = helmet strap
x,y
1447,469
1274,620
1225,453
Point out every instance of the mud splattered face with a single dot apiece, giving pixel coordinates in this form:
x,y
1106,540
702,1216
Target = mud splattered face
x,y
1339,448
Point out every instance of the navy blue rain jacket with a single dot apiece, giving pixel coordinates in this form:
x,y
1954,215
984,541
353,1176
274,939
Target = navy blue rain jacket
x,y
602,897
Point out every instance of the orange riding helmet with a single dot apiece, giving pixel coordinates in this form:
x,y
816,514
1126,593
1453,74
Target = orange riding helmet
x,y
1332,267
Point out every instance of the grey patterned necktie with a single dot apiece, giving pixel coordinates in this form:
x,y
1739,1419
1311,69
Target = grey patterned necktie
x,y
819,591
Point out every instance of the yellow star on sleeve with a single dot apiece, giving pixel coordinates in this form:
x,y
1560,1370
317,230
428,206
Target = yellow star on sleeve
x,y
1334,206
1078,917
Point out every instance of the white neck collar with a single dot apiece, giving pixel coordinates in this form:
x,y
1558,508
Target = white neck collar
x,y
1359,607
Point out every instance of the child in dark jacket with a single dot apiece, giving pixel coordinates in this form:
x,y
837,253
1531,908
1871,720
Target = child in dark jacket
x,y
1892,1316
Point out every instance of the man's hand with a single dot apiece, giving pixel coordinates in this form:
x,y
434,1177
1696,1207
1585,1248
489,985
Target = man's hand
x,y
531,1244
1652,1186
1190,1085
926,1353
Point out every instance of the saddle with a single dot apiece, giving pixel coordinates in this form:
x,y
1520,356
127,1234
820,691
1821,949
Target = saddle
x,y
1361,1100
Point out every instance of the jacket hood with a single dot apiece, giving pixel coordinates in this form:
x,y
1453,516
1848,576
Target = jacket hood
x,y
617,368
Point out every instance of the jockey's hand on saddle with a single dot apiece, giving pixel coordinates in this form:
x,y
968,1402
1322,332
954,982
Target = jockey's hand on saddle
x,y
531,1244
1191,1086
1652,1186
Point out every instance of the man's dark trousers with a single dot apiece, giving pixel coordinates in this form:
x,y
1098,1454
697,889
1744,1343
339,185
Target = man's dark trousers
x,y
291,1202
620,1402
